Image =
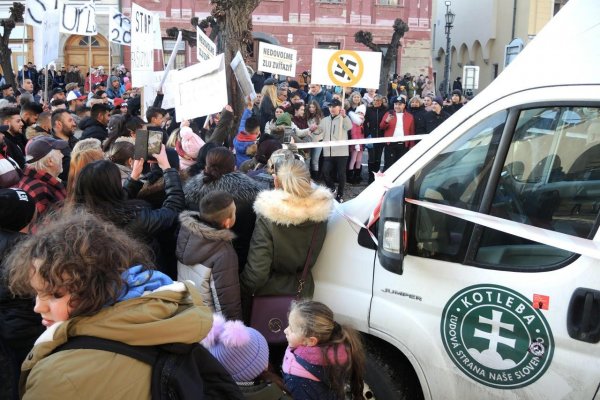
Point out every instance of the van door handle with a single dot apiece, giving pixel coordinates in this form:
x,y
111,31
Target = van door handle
x,y
583,318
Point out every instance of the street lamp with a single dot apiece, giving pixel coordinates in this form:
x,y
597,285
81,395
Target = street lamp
x,y
449,21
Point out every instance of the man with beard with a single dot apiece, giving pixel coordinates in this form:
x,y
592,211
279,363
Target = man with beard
x,y
29,114
14,139
64,127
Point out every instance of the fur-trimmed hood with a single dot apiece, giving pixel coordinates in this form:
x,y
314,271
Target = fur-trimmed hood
x,y
192,222
286,209
240,186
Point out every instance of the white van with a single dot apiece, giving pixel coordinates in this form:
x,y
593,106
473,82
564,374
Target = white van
x,y
486,280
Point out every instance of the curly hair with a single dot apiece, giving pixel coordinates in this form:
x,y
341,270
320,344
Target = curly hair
x,y
66,255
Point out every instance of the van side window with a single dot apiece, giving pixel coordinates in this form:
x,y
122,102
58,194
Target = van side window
x,y
456,177
550,179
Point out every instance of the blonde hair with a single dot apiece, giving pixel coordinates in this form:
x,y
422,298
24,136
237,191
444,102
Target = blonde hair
x,y
317,320
294,178
269,91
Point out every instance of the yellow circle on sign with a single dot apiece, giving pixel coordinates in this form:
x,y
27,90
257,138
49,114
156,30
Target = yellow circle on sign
x,y
337,62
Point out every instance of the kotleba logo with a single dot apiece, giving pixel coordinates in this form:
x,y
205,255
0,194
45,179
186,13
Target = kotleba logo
x,y
495,336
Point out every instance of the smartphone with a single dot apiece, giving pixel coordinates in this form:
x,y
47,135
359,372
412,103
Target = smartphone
x,y
287,135
154,142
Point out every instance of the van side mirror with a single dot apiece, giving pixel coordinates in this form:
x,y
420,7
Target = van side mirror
x,y
391,230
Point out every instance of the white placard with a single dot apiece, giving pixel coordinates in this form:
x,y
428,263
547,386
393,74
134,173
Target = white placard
x,y
35,9
243,76
201,89
142,49
346,68
119,27
157,39
276,59
51,37
169,86
79,20
205,48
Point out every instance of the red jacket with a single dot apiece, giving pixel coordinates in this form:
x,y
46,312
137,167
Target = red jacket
x,y
408,123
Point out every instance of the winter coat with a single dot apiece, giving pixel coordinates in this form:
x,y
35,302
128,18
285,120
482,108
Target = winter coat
x,y
241,143
408,123
263,391
93,129
433,120
244,191
331,131
281,239
143,222
304,371
373,118
322,97
45,189
206,257
419,115
267,112
167,315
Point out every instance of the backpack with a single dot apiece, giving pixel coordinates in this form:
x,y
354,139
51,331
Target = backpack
x,y
179,371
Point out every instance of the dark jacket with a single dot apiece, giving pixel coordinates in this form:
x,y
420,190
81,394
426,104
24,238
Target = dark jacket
x,y
19,325
433,120
244,191
267,112
15,148
145,222
419,114
281,240
452,108
373,118
93,129
206,256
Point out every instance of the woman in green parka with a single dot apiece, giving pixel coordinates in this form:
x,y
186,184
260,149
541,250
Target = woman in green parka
x,y
287,216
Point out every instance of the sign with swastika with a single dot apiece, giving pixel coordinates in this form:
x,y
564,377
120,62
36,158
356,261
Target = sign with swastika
x,y
346,68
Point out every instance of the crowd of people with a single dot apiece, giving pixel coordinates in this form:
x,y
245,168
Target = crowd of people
x,y
232,211
90,231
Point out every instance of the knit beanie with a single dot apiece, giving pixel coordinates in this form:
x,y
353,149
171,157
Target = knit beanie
x,y
361,109
284,119
190,142
16,209
243,351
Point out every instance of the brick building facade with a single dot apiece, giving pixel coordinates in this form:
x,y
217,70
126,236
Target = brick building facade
x,y
307,24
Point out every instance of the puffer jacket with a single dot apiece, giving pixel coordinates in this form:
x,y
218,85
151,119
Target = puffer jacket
x,y
244,191
206,257
373,118
331,131
171,314
281,239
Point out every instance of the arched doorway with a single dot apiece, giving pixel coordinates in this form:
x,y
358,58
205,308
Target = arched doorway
x,y
77,52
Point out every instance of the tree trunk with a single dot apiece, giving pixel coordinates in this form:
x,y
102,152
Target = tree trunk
x,y
6,64
16,15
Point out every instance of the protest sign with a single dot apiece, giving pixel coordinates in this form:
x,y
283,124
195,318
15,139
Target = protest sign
x,y
157,38
205,48
35,10
243,77
201,89
142,50
119,27
276,59
346,68
50,39
79,20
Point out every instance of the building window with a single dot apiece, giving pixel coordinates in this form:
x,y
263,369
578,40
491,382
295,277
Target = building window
x,y
331,1
388,2
328,45
85,41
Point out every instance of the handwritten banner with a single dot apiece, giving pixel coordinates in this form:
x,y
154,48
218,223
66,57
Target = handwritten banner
x,y
142,50
79,20
51,37
119,27
35,10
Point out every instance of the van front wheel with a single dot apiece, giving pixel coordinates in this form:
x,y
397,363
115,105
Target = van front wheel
x,y
388,375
